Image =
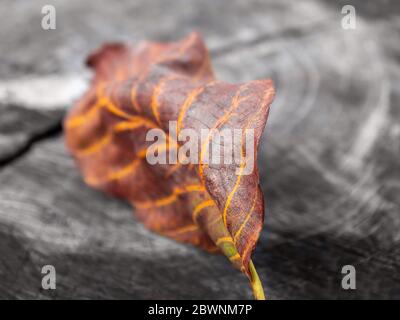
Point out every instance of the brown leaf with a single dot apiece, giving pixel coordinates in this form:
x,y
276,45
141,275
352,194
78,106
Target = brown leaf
x,y
143,87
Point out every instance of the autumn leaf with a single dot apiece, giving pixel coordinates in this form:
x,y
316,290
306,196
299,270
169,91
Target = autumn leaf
x,y
216,206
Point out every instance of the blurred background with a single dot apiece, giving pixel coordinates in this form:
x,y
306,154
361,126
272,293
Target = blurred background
x,y
329,159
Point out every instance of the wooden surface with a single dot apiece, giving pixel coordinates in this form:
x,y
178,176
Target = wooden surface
x,y
329,161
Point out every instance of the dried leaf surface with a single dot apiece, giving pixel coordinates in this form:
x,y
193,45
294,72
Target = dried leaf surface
x,y
142,87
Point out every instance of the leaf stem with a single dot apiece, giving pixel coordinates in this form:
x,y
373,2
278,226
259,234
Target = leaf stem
x,y
255,282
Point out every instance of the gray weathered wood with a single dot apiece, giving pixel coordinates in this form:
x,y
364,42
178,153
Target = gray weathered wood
x,y
329,161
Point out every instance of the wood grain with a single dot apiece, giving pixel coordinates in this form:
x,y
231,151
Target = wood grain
x,y
329,161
